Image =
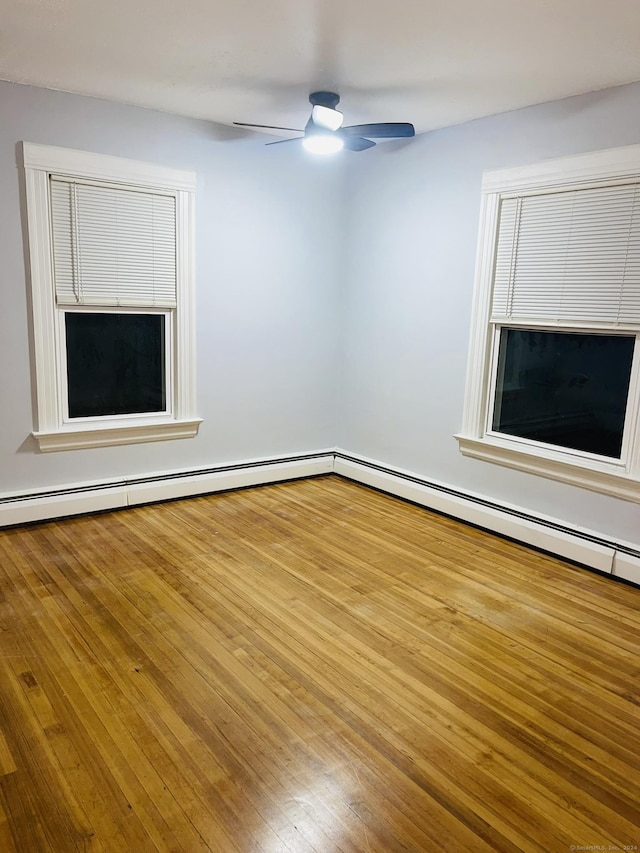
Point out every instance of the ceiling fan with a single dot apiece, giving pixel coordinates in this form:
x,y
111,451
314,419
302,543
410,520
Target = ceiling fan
x,y
324,133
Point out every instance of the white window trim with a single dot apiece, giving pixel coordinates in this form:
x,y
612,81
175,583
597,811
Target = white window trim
x,y
620,479
52,433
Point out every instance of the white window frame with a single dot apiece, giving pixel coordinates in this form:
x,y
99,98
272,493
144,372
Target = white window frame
x,y
54,431
476,439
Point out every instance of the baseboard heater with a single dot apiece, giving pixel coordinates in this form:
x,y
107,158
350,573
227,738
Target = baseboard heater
x,y
81,498
587,548
618,559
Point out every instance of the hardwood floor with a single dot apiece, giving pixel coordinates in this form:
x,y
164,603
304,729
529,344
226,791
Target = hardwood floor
x,y
310,666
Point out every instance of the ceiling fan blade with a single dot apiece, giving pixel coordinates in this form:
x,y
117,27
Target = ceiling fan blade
x,y
380,130
357,143
281,141
352,143
268,126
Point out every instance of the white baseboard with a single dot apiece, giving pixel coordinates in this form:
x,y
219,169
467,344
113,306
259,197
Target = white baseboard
x,y
620,559
58,504
576,544
80,498
627,566
237,476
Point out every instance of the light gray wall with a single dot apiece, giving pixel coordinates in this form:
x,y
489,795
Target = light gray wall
x,y
333,297
268,230
413,226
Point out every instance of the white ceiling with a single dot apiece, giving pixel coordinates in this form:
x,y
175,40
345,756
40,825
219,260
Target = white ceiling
x,y
431,62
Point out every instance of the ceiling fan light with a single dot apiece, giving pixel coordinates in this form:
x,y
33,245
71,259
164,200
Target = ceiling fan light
x,y
326,117
322,143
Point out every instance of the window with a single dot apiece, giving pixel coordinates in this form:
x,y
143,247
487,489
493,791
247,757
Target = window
x,y
116,364
111,249
564,389
553,382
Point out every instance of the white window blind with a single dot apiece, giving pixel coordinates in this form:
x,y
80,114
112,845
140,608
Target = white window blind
x,y
571,255
112,246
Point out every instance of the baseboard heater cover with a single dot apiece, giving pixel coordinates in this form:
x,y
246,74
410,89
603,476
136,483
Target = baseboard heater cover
x,y
620,559
81,498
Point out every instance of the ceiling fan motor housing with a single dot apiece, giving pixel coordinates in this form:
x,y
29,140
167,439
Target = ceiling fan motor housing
x,y
324,99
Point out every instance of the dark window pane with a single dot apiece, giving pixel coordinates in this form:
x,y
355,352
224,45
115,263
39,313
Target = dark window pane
x,y
563,388
115,364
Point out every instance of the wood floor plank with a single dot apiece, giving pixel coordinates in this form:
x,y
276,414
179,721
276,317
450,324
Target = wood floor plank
x,y
311,667
7,764
6,841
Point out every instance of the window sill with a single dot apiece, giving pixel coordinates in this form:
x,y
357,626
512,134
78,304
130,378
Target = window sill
x,y
609,480
78,438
